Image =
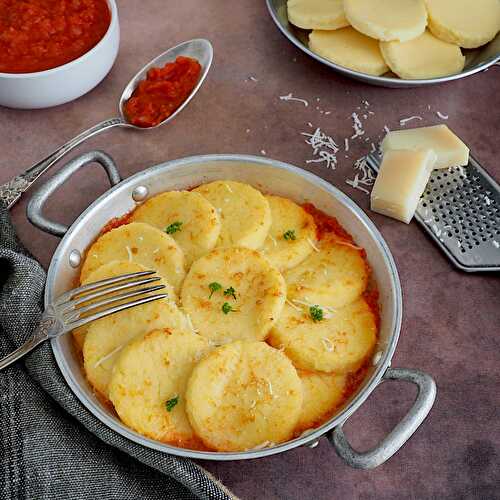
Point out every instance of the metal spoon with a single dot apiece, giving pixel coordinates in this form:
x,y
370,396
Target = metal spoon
x,y
199,49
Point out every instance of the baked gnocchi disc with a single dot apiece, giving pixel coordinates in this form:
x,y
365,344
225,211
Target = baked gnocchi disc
x,y
292,234
340,342
141,243
148,384
244,395
244,213
334,276
323,393
109,270
188,217
233,294
387,20
107,336
317,14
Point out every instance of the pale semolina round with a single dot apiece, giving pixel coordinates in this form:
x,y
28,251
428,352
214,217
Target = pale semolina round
x,y
244,213
332,277
148,384
292,234
107,336
244,395
199,226
317,14
350,49
339,343
423,57
387,19
258,286
468,23
323,393
109,270
141,243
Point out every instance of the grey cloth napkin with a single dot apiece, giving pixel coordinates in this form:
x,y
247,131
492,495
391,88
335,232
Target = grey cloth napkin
x,y
51,446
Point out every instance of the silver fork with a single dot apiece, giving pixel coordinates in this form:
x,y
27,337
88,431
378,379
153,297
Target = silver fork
x,y
69,312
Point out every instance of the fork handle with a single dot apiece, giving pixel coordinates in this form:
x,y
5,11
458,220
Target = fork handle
x,y
41,334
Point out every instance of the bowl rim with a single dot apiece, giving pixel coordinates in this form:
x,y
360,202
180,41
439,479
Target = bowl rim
x,y
308,438
113,24
381,80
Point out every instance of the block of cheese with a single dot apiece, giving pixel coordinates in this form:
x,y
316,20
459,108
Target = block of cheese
x,y
401,181
449,149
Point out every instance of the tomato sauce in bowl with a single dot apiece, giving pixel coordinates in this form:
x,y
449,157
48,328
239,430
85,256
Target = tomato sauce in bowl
x,y
37,35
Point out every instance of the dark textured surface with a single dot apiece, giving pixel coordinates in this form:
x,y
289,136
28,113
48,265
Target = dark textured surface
x,y
451,326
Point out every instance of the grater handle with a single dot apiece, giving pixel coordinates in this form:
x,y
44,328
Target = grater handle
x,y
403,430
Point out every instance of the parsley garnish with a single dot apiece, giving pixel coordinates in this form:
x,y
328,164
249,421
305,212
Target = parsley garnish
x,y
316,313
227,308
170,404
290,235
174,227
214,287
230,292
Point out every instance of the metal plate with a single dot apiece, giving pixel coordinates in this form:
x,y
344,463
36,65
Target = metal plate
x,y
476,60
460,210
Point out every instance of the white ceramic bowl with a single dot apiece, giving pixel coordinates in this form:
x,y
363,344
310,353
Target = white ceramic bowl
x,y
67,82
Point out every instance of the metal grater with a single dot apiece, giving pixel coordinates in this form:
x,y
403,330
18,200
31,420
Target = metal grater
x,y
460,210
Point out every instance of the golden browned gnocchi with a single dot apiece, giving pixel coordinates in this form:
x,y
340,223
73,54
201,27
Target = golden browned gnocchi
x,y
244,395
148,384
141,243
266,330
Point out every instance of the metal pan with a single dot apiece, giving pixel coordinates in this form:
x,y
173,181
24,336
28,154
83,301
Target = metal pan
x,y
476,60
274,177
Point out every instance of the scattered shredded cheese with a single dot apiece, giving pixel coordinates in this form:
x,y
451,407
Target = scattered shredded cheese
x,y
290,97
346,143
443,117
327,344
496,244
357,126
104,358
273,239
377,357
270,387
129,253
253,78
228,187
265,444
404,121
315,248
263,151
156,250
291,304
190,323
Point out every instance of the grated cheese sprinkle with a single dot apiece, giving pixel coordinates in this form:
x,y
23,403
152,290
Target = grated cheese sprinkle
x,y
315,248
404,121
291,304
228,187
104,358
290,97
129,253
327,344
443,117
357,126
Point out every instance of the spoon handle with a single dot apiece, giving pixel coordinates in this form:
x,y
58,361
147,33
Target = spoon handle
x,y
11,191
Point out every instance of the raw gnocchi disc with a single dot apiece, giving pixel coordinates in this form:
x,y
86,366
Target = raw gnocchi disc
x,y
200,225
323,393
244,212
317,14
148,384
258,286
468,23
387,19
339,343
243,395
107,336
332,277
292,233
109,270
141,243
423,57
350,49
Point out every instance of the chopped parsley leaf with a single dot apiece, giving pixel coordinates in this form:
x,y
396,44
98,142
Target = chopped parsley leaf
x,y
316,313
171,403
214,287
290,235
230,292
174,227
227,308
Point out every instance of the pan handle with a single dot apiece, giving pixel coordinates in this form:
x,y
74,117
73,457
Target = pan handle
x,y
34,210
403,430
